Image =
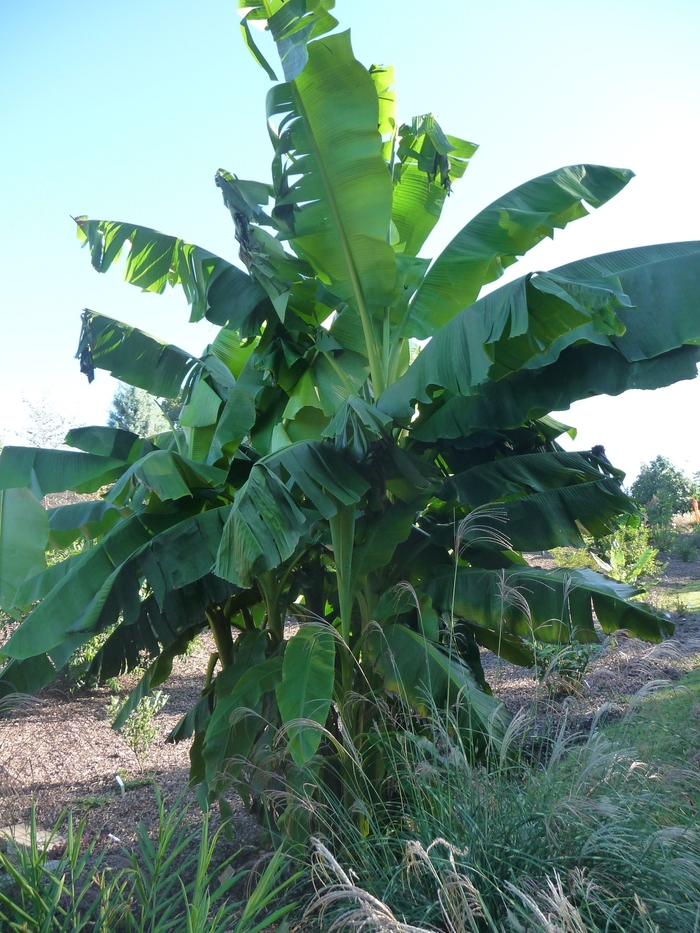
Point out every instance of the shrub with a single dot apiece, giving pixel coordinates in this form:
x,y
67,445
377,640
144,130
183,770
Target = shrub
x,y
663,490
686,548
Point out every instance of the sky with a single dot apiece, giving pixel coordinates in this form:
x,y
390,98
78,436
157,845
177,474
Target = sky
x,y
125,111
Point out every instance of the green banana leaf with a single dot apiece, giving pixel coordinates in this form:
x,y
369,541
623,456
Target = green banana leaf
x,y
26,677
544,499
580,372
169,475
548,605
214,288
89,520
304,694
501,233
47,471
498,334
24,533
338,210
423,673
131,355
113,443
643,284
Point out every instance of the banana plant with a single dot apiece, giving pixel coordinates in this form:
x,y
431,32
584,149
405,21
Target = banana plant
x,y
365,447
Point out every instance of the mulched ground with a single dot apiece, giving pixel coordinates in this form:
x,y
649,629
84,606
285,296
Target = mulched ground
x,y
60,751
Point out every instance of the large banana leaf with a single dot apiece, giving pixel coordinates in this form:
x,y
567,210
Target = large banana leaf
x,y
501,332
332,186
24,532
424,673
304,694
503,232
641,284
169,475
26,677
109,442
132,355
46,471
663,284
266,522
580,372
214,288
89,520
79,603
544,500
548,605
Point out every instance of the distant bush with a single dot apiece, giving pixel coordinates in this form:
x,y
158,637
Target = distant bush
x,y
663,490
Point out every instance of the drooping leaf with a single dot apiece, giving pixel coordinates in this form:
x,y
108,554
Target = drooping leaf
x,y
214,288
498,334
75,602
504,231
24,532
109,442
169,475
580,372
26,677
548,605
89,519
419,670
46,471
306,688
544,499
131,355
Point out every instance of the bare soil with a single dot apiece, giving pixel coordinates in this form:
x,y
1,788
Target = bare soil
x,y
59,751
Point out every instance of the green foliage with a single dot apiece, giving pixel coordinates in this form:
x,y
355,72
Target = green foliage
x,y
585,833
138,729
686,547
663,490
173,884
562,668
663,537
136,411
629,553
321,466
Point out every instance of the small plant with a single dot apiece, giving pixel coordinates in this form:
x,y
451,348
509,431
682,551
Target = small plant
x,y
574,558
562,668
139,730
628,552
663,537
173,884
686,548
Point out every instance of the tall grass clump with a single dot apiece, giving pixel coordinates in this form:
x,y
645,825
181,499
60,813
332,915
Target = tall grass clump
x,y
173,884
578,835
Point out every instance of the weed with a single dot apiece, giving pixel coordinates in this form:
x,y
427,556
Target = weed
x,y
171,886
562,667
139,730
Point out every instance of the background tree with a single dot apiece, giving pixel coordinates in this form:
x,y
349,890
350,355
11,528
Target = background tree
x,y
663,490
45,425
135,410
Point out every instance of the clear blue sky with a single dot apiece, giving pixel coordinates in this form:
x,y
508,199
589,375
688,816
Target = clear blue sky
x,y
125,111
